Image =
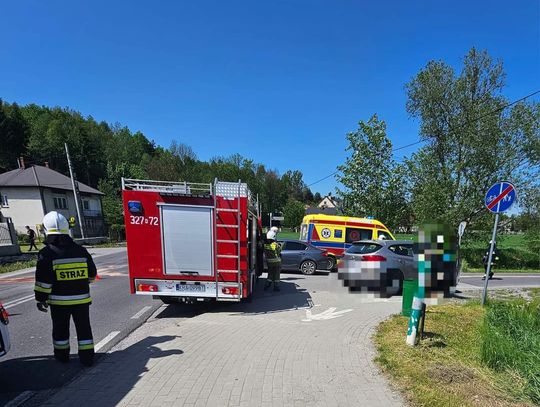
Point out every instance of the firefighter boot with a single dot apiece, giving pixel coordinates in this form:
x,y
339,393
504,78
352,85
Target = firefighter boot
x,y
61,355
86,357
276,286
267,285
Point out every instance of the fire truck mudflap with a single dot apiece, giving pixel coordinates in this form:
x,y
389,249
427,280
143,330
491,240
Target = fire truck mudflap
x,y
191,241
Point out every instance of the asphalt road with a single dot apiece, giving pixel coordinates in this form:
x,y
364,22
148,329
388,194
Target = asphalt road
x,y
29,369
472,281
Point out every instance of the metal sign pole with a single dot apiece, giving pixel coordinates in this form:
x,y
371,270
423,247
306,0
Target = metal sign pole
x,y
488,269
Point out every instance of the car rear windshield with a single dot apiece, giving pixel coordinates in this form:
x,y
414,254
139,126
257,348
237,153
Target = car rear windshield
x,y
363,248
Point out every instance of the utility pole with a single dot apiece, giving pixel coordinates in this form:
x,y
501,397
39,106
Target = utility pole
x,y
75,192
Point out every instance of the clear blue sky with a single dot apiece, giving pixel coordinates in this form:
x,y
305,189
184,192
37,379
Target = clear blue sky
x,y
277,81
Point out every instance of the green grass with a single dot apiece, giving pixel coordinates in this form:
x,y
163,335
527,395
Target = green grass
x,y
288,235
6,268
446,368
24,247
511,341
478,270
107,244
406,236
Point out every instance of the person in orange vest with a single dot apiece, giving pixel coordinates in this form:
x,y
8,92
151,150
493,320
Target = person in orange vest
x,y
63,273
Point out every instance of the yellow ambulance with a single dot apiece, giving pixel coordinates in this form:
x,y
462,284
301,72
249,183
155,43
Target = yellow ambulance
x,y
335,234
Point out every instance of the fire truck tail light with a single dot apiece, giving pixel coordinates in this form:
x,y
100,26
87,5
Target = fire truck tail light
x,y
230,290
147,287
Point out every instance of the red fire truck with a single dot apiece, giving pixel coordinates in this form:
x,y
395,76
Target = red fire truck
x,y
191,241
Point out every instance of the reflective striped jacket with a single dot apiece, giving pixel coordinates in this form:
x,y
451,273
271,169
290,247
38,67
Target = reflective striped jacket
x,y
63,274
272,251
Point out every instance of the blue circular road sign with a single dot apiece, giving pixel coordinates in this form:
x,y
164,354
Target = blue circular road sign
x,y
500,197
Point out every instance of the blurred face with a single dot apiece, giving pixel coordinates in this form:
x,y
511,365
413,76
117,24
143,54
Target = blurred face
x,y
435,254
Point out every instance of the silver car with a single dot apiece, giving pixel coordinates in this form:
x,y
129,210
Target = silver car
x,y
378,266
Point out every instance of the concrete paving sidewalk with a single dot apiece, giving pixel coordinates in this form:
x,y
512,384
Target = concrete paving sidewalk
x,y
309,345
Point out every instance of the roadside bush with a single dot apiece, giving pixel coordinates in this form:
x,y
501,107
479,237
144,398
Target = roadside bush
x,y
117,233
465,266
511,341
512,258
22,238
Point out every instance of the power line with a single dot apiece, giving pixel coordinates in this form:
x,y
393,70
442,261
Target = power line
x,y
498,110
322,179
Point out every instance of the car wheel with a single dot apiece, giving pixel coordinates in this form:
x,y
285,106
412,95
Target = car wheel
x,y
331,262
308,267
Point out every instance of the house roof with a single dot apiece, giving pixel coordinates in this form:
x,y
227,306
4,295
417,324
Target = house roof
x,y
329,202
313,210
38,176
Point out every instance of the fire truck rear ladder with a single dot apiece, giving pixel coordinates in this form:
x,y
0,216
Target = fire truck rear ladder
x,y
237,240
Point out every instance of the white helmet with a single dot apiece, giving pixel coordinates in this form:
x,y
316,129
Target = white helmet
x,y
55,224
272,233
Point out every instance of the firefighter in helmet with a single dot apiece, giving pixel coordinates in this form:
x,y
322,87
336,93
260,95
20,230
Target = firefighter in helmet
x,y
272,251
63,273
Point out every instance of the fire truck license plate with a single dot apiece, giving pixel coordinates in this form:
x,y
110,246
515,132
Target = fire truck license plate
x,y
190,288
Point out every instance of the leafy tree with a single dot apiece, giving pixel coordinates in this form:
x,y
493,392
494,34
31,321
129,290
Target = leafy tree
x,y
13,135
373,181
471,140
293,213
294,185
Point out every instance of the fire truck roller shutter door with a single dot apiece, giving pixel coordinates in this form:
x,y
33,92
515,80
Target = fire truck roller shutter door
x,y
187,239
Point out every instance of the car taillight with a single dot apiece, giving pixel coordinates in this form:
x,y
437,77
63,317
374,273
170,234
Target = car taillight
x,y
4,316
230,290
373,257
324,253
147,287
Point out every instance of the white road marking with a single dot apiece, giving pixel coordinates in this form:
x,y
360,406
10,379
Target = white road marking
x,y
330,313
13,303
105,340
20,399
142,311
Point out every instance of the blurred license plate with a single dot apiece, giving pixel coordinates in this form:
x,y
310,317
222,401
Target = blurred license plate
x,y
191,288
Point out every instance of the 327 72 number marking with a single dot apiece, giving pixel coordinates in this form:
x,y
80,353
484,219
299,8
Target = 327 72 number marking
x,y
144,220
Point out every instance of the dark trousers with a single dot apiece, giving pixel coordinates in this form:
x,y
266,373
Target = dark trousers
x,y
32,244
61,315
273,272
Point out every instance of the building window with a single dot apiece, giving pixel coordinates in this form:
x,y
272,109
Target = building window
x,y
4,203
60,202
86,205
